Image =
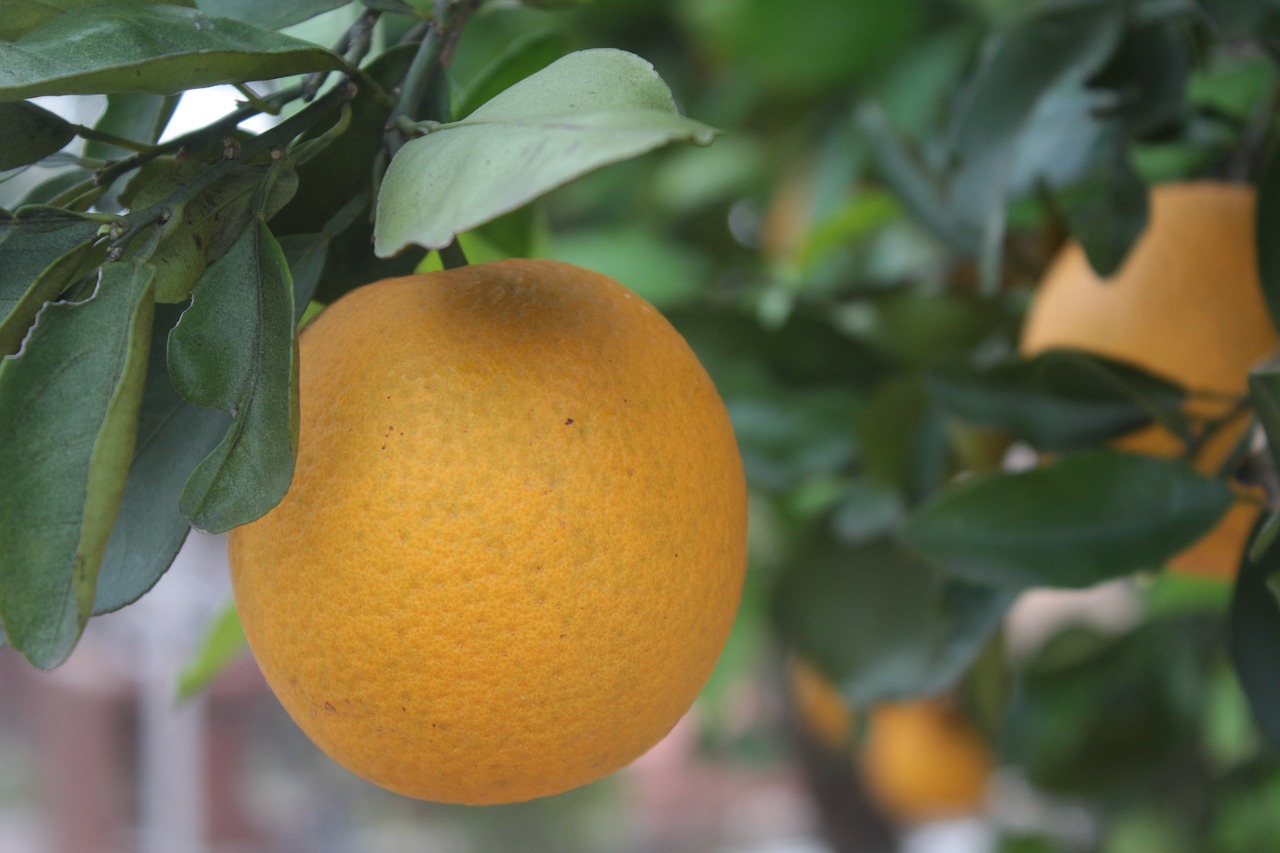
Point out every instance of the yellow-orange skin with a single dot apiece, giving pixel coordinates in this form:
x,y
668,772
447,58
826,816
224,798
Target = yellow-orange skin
x,y
516,535
1186,304
923,761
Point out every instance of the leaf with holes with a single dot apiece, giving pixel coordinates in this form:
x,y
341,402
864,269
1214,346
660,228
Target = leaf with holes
x,y
68,417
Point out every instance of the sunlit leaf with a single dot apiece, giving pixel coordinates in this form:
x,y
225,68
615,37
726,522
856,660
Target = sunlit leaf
x,y
141,48
587,110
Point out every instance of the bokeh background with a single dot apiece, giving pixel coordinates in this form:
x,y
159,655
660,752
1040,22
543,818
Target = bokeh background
x,y
1108,719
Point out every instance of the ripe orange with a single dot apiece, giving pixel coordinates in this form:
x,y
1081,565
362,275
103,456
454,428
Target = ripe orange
x,y
923,761
1186,304
515,539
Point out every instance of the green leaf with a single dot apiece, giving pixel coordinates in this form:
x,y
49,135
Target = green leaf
x,y
1063,45
1107,207
173,437
41,252
902,437
270,16
587,110
28,133
1147,77
655,266
141,118
201,229
1255,637
798,48
1267,236
915,188
19,17
68,417
305,255
1240,19
1058,400
883,622
224,641
331,181
522,58
150,49
234,349
1088,517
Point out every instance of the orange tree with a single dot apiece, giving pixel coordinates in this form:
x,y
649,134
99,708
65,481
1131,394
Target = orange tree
x,y
853,261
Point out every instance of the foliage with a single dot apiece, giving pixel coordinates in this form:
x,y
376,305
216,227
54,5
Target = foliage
x,y
851,259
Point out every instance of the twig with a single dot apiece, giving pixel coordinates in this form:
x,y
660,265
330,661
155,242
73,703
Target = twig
x,y
276,137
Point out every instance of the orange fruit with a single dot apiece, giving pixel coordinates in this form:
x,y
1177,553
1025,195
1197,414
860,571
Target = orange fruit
x,y
923,761
515,539
1186,304
920,759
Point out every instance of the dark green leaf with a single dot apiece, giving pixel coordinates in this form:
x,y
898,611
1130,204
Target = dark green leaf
x,y
917,190
1106,716
342,170
523,58
1255,637
150,49
902,438
330,182
173,436
1238,19
234,349
924,329
1058,400
19,17
1267,236
1084,518
68,418
881,621
270,16
1107,207
794,48
305,254
1063,45
40,254
587,110
1146,78
201,229
223,643
28,133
